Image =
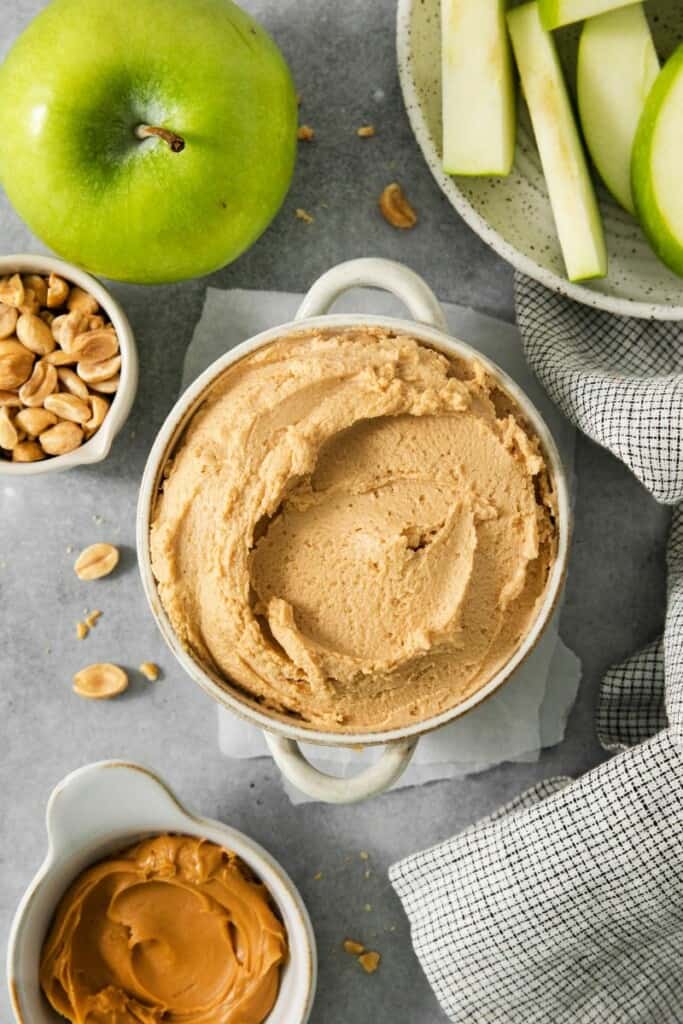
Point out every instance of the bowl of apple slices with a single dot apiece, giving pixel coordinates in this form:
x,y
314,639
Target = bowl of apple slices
x,y
555,129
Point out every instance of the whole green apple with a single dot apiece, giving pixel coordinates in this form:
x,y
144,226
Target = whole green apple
x,y
147,140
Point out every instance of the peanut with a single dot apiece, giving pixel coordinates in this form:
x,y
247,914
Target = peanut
x,y
30,303
11,399
82,301
35,334
41,384
72,383
27,451
12,291
107,387
94,373
9,437
95,346
396,209
16,363
99,408
68,407
38,286
34,421
57,291
96,561
8,320
100,682
61,439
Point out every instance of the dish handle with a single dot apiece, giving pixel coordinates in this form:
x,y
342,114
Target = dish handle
x,y
372,271
290,759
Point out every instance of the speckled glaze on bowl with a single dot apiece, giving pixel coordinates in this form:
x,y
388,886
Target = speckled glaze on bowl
x,y
513,214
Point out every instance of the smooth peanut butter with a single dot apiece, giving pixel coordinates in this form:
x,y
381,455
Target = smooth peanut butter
x,y
172,930
355,531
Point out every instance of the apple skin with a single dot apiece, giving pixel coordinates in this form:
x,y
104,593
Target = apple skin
x,y
665,243
79,81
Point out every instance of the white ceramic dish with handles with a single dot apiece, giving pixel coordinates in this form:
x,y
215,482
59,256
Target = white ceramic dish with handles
x,y
98,446
428,325
105,807
513,214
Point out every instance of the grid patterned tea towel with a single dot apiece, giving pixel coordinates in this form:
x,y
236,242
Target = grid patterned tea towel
x,y
567,905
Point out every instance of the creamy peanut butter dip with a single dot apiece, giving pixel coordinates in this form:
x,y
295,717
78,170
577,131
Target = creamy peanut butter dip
x,y
172,930
355,531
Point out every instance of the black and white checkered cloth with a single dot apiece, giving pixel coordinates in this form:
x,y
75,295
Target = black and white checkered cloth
x,y
566,907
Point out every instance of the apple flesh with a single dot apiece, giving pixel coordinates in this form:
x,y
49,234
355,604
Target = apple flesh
x,y
570,188
617,68
478,90
656,164
556,13
147,140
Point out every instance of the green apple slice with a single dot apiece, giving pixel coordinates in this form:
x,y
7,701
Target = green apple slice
x,y
478,89
556,13
656,164
617,68
572,197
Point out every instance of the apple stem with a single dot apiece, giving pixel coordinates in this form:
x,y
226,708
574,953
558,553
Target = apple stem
x,y
175,142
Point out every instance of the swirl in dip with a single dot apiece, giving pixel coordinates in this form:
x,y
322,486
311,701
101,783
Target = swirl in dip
x,y
174,929
354,530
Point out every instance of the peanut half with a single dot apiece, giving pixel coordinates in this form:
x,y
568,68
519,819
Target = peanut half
x,y
34,421
27,451
41,384
71,382
9,436
8,320
35,334
61,439
16,363
82,301
68,407
395,207
100,682
57,291
96,561
12,291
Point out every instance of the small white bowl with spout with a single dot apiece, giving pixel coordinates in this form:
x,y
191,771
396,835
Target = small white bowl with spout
x,y
105,807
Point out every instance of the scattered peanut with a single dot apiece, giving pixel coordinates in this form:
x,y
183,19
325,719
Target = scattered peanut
x,y
100,682
366,131
395,207
305,216
369,961
96,561
59,358
150,670
92,617
81,630
354,948
305,133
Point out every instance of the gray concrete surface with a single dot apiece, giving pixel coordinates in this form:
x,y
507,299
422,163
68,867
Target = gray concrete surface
x,y
342,56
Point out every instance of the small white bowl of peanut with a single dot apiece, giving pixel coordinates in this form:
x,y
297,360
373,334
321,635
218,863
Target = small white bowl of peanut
x,y
68,366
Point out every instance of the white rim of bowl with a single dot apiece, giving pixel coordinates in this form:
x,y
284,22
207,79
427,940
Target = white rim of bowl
x,y
580,293
168,436
96,448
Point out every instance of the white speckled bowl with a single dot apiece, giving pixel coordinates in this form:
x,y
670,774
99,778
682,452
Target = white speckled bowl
x,y
97,447
105,807
513,214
